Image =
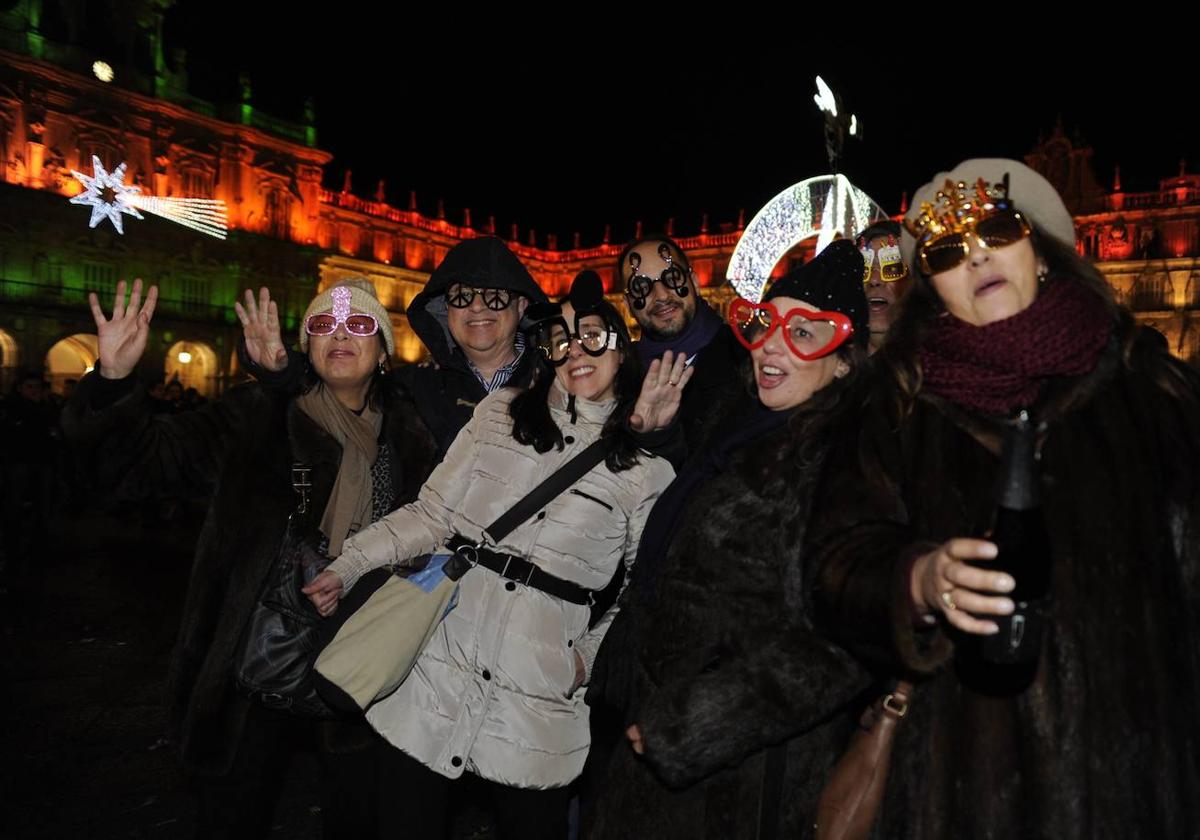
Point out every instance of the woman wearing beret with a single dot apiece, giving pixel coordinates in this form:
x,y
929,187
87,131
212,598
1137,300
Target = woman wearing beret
x,y
732,701
1100,738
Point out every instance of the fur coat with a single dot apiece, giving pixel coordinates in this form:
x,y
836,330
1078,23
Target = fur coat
x,y
238,450
1105,742
740,704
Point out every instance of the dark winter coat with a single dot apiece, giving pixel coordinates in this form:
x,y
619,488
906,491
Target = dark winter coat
x,y
713,655
239,450
1106,741
718,368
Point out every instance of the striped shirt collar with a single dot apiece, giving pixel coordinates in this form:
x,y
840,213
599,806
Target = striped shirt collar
x,y
503,374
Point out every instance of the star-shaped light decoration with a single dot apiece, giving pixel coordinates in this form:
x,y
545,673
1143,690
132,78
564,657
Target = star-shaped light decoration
x,y
109,196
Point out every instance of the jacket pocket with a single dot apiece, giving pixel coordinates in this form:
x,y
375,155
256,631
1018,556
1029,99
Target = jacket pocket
x,y
592,498
570,639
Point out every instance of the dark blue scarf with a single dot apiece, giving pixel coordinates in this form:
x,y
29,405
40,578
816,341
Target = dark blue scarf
x,y
705,325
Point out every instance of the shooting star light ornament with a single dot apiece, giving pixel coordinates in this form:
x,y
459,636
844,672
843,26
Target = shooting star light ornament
x,y
109,197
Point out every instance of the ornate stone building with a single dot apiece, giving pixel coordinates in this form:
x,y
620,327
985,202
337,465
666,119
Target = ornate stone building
x,y
59,107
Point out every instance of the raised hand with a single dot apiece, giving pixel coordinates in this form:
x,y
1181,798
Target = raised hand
x,y
661,392
260,327
122,338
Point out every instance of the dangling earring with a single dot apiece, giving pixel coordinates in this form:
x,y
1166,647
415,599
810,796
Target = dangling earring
x,y
382,369
1042,274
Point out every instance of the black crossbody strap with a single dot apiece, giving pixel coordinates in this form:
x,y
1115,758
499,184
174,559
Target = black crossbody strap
x,y
547,491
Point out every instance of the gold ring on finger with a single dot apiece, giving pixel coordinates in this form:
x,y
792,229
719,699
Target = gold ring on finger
x,y
948,600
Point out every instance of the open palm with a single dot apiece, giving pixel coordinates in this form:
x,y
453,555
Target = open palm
x,y
122,338
260,328
662,389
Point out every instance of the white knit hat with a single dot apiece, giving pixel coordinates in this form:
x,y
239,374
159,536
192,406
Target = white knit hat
x,y
362,299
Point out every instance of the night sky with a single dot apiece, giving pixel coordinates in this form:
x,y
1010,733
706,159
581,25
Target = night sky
x,y
569,127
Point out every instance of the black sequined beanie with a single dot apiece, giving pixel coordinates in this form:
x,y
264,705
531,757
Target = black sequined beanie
x,y
833,281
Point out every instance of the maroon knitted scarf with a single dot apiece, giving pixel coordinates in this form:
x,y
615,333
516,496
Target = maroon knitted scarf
x,y
1003,366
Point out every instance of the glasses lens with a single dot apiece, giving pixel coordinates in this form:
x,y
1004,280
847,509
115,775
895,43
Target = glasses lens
x,y
322,324
807,336
944,253
753,323
361,325
460,296
999,230
553,343
639,286
593,339
868,256
892,270
672,277
497,299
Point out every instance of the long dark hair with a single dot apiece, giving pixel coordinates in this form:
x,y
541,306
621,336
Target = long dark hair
x,y
899,356
530,410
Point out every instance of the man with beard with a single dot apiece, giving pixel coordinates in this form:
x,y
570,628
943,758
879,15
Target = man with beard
x,y
885,276
662,293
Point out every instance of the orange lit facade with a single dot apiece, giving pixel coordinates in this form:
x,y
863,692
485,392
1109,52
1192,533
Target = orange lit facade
x,y
295,237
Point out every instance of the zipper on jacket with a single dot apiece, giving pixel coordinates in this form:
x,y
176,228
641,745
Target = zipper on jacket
x,y
593,498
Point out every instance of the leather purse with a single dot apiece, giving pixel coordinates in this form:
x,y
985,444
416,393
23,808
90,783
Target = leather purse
x,y
273,665
851,799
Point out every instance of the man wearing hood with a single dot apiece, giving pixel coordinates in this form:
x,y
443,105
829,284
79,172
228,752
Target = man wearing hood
x,y
466,316
662,293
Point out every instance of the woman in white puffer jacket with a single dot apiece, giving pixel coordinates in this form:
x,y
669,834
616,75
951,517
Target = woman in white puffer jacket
x,y
496,693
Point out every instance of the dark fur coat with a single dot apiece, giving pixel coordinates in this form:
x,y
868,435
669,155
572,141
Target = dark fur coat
x,y
1106,740
714,658
238,450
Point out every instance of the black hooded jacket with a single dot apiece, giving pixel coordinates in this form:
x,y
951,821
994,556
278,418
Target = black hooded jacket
x,y
446,395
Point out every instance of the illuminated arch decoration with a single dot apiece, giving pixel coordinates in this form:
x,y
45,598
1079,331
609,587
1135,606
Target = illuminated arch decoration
x,y
823,207
110,197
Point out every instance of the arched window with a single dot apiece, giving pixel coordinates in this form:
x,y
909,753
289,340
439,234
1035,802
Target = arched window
x,y
71,358
196,183
278,214
9,357
194,365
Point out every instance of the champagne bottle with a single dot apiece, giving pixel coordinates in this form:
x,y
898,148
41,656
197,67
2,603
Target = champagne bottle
x,y
1019,532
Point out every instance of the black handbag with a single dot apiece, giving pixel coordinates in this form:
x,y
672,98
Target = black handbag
x,y
273,665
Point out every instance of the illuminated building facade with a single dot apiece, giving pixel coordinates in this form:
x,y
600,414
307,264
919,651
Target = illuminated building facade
x,y
286,232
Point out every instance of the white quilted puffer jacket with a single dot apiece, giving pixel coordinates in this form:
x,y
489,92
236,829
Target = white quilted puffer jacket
x,y
491,693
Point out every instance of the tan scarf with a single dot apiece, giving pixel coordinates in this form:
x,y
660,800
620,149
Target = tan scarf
x,y
349,505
